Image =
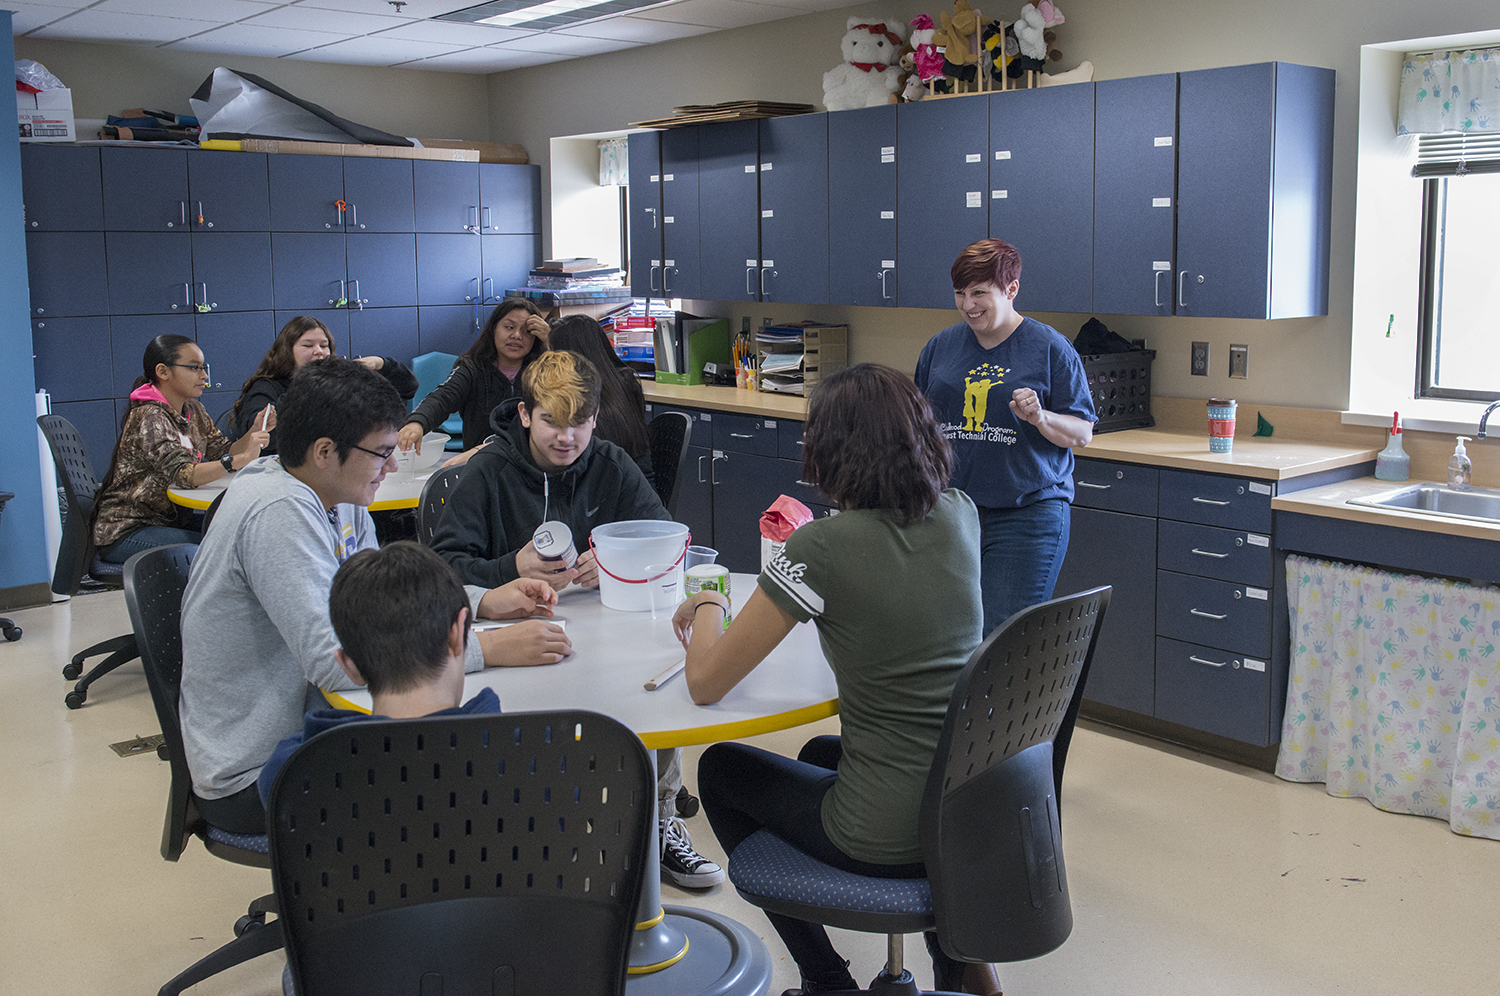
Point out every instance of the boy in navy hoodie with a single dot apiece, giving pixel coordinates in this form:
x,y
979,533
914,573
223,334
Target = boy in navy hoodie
x,y
402,620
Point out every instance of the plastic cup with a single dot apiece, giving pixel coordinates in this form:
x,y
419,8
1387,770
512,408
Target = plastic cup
x,y
1221,425
699,555
666,590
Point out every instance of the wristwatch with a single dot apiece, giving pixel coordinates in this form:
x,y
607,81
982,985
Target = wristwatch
x,y
227,462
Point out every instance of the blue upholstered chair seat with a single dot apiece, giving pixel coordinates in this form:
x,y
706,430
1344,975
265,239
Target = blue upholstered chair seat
x,y
259,842
102,569
775,876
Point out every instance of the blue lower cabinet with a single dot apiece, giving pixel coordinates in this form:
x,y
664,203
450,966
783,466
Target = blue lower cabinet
x,y
382,270
745,434
232,272
1226,554
1213,690
149,273
384,332
234,343
128,336
336,319
1215,500
695,496
71,358
450,329
219,402
1213,613
66,272
311,270
95,422
448,269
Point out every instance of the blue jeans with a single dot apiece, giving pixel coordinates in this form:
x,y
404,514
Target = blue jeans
x,y
146,538
1021,551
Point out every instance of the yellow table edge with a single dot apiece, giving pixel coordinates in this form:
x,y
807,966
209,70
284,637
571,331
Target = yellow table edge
x,y
662,739
379,506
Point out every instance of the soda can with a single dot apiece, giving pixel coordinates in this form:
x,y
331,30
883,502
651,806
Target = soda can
x,y
709,577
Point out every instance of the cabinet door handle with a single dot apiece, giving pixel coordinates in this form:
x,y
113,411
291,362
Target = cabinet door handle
x,y
1200,660
489,288
713,466
474,296
1181,276
883,295
357,299
473,226
664,288
700,470
652,213
748,289
651,276
1207,615
1209,501
182,211
1156,287
1209,553
741,435
187,298
342,299
205,306
354,216
340,206
487,224
1096,487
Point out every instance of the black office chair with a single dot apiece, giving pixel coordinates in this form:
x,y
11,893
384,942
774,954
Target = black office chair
x,y
435,495
213,510
76,553
501,853
154,583
8,627
670,433
990,828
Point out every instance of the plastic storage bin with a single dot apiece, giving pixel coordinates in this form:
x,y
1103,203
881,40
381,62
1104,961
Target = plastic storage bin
x,y
1120,384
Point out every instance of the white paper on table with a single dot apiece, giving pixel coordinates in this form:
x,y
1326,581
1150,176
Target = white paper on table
x,y
484,625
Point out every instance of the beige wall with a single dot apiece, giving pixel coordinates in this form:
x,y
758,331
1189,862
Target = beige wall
x,y
106,79
1292,362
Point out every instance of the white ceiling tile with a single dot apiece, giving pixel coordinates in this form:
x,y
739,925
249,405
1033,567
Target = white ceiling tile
x,y
374,50
413,9
475,60
247,39
339,22
716,13
29,16
120,28
454,33
558,44
520,58
634,29
214,10
807,6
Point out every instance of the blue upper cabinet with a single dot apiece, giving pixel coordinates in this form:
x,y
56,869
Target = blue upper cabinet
x,y
729,211
233,344
448,269
1254,181
232,272
645,214
310,270
306,192
862,206
682,234
72,358
447,196
1041,191
384,332
228,192
60,188
794,209
382,271
942,186
507,263
150,273
145,190
66,272
509,198
378,195
1135,184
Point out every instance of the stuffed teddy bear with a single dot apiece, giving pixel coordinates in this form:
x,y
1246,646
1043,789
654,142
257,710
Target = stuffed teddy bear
x,y
955,38
868,76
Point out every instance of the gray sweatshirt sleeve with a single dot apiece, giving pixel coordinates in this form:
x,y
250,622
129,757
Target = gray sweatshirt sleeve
x,y
473,656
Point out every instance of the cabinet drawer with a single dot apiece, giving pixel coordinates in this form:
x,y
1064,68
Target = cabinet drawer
x,y
702,422
1210,551
789,439
745,434
1213,613
1213,691
1115,487
1232,502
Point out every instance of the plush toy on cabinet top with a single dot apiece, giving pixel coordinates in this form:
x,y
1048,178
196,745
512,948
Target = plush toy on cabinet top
x,y
956,38
929,60
869,74
1034,38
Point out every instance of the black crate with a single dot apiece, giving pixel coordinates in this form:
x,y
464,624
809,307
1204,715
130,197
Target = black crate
x,y
1120,384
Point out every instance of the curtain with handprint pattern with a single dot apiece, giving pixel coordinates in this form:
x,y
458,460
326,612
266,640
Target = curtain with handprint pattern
x,y
1450,91
1394,694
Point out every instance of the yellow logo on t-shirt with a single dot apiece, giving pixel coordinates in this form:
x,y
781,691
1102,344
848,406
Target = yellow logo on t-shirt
x,y
977,393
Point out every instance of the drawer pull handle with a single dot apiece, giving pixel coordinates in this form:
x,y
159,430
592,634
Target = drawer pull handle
x,y
1200,660
807,484
1209,501
1097,487
1209,553
741,435
1206,615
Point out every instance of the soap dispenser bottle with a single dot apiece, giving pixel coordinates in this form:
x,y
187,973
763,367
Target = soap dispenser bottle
x,y
1460,468
1392,463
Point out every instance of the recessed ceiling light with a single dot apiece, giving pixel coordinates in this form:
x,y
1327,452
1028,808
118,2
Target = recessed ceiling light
x,y
544,15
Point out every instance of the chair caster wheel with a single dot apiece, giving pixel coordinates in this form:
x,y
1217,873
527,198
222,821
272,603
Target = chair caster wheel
x,y
687,803
248,923
72,670
75,700
12,633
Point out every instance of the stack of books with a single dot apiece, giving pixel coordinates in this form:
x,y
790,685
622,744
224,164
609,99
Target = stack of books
x,y
734,110
578,280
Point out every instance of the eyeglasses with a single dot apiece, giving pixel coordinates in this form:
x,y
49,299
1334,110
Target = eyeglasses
x,y
197,368
383,457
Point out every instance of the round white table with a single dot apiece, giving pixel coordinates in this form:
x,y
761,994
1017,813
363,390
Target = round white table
x,y
398,490
677,949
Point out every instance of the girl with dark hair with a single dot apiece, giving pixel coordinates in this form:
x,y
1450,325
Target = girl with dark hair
x,y
484,378
168,440
892,584
1011,396
300,341
622,403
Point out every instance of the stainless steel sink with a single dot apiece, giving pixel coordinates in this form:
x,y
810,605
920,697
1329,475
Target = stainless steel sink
x,y
1480,504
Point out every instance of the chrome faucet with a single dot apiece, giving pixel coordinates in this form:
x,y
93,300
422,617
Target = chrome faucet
x,y
1484,419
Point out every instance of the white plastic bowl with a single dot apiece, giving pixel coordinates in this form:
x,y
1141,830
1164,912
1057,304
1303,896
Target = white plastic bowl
x,y
432,454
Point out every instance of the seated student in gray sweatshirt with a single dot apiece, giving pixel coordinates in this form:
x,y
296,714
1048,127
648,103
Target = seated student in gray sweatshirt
x,y
257,641
402,619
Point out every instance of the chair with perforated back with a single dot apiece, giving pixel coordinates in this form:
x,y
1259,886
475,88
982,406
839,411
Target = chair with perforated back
x,y
154,582
76,554
431,370
213,509
435,495
479,854
670,433
990,826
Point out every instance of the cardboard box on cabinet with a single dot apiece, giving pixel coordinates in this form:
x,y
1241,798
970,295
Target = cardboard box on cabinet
x,y
46,116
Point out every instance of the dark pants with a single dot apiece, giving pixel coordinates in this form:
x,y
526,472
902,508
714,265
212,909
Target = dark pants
x,y
146,538
1021,551
238,813
745,789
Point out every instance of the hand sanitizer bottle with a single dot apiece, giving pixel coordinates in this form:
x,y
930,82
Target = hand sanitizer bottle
x,y
1392,463
1460,467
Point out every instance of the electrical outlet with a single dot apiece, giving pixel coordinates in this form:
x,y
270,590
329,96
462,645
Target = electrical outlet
x,y
1239,362
1200,359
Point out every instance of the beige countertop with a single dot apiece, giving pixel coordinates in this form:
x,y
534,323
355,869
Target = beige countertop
x,y
1331,501
1268,458
728,399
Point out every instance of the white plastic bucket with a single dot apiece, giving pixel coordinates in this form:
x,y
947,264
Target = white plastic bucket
x,y
624,550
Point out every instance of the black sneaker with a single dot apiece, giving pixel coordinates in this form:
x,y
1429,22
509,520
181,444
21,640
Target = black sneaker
x,y
680,864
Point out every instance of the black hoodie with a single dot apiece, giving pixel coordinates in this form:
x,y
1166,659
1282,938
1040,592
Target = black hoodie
x,y
503,496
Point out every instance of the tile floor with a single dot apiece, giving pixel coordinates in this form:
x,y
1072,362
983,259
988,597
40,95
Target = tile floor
x,y
1189,876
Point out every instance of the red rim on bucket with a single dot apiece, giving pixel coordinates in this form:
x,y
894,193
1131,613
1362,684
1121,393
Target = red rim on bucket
x,y
685,544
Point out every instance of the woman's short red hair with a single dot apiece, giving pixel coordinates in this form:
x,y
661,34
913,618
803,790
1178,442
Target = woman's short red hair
x,y
987,261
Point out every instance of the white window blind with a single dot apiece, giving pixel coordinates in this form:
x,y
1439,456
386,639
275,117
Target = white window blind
x,y
1455,154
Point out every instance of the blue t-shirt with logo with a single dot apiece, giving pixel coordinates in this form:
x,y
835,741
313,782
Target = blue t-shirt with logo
x,y
1002,461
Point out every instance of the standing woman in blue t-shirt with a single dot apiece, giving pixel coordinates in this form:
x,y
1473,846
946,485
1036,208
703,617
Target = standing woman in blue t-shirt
x,y
1014,460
